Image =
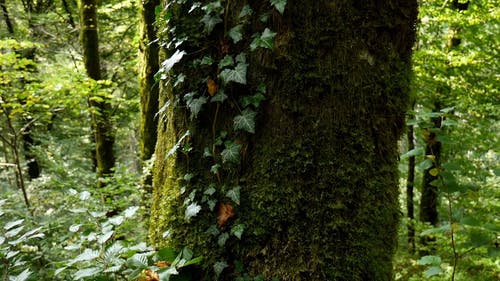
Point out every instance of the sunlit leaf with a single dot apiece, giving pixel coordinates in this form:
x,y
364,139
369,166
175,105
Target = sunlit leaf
x,y
86,272
130,211
432,271
170,62
22,276
430,260
192,210
12,224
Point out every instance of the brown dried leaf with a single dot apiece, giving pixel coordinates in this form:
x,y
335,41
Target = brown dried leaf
x,y
224,213
212,87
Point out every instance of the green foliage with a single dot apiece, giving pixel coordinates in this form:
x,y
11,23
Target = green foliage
x,y
455,65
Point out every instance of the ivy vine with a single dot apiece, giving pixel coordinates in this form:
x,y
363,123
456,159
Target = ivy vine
x,y
223,71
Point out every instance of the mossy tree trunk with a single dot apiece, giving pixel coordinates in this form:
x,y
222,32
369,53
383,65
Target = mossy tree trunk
x,y
100,106
312,188
148,67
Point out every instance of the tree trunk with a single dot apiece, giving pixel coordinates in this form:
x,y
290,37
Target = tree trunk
x,y
313,185
410,184
6,17
148,67
99,104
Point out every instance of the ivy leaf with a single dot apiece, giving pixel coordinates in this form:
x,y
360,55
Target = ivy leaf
x,y
222,239
209,191
241,57
192,210
226,61
245,11
238,230
265,40
219,97
231,154
210,22
238,74
195,105
206,60
254,100
279,5
234,194
169,63
236,33
219,267
245,121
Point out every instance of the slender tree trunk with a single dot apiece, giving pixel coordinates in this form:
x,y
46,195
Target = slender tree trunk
x,y
148,67
69,13
410,184
312,187
99,104
6,17
429,200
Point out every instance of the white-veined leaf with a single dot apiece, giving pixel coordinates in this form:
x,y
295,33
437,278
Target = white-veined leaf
x,y
103,238
87,255
234,194
238,74
265,40
231,154
245,121
195,105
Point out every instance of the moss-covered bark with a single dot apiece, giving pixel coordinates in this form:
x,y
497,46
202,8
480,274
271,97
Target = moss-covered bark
x,y
318,178
148,67
102,126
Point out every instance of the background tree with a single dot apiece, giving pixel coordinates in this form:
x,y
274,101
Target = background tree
x,y
100,105
148,67
305,179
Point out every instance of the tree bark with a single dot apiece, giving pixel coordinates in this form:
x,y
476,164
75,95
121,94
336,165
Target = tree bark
x,y
6,17
317,181
99,104
410,184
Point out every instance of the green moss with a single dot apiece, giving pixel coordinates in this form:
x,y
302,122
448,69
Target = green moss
x,y
318,178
